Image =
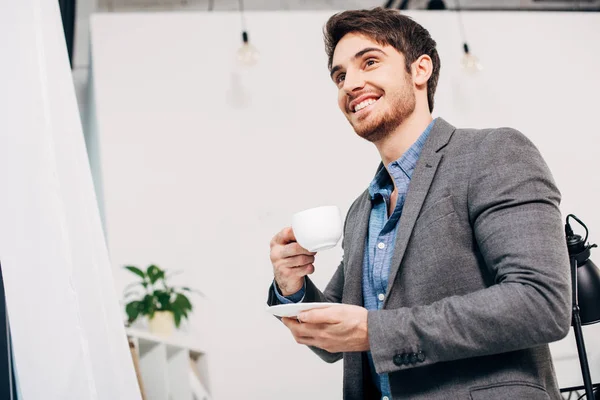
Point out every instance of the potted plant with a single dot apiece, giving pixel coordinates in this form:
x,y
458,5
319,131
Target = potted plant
x,y
164,306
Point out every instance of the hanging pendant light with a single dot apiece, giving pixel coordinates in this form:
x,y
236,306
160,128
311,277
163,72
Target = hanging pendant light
x,y
247,54
469,62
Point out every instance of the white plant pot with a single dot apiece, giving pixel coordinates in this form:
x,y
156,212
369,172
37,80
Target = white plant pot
x,y
162,324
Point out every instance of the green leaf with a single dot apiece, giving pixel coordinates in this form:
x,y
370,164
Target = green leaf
x,y
163,298
149,306
177,318
133,310
183,301
154,273
136,271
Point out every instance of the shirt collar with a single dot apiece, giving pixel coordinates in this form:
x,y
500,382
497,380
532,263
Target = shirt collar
x,y
405,165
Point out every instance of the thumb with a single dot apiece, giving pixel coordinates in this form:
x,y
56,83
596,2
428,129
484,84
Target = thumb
x,y
316,316
287,235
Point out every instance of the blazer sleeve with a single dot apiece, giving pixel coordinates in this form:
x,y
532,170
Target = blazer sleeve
x,y
513,206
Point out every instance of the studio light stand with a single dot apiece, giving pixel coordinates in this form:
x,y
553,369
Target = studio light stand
x,y
585,281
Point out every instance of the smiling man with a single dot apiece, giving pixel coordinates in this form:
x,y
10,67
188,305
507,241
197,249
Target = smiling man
x,y
455,274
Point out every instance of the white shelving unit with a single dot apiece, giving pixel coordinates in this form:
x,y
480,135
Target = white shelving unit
x,y
172,368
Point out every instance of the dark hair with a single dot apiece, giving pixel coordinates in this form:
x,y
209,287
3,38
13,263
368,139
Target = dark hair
x,y
386,27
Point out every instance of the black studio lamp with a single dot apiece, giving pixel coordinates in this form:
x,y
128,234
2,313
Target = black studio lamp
x,y
585,281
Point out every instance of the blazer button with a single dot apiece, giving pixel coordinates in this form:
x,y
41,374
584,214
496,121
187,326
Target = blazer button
x,y
420,357
397,360
413,358
405,358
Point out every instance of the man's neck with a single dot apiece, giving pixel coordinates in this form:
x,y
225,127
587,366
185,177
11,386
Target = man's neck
x,y
393,146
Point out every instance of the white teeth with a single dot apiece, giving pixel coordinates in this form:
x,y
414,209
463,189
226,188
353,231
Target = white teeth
x,y
363,104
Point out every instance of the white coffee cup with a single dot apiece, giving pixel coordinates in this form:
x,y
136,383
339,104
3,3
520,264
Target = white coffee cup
x,y
319,228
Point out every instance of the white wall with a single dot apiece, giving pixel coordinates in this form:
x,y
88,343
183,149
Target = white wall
x,y
195,180
68,337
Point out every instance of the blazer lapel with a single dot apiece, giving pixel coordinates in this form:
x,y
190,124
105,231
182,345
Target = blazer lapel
x,y
356,247
417,192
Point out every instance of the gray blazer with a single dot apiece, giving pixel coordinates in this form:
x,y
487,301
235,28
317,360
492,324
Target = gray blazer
x,y
479,282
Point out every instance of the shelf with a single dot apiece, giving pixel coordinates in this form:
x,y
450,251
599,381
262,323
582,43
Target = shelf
x,y
177,341
173,367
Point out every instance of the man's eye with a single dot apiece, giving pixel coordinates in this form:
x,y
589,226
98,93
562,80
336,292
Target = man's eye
x,y
340,78
370,62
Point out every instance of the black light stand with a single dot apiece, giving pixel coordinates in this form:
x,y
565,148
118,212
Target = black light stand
x,y
68,14
585,281
8,389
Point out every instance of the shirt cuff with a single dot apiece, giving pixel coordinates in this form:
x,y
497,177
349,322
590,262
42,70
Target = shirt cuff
x,y
297,297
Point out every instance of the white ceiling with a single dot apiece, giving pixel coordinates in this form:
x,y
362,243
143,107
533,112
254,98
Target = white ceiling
x,y
233,5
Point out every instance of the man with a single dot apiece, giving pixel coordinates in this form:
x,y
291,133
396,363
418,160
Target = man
x,y
455,274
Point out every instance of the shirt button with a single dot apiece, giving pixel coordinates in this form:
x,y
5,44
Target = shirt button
x,y
381,296
381,245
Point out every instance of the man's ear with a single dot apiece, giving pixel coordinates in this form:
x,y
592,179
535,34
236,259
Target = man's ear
x,y
422,69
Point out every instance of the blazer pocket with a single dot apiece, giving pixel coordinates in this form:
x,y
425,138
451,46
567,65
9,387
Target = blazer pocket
x,y
438,210
510,391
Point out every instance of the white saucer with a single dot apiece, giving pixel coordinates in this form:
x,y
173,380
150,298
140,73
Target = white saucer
x,y
292,310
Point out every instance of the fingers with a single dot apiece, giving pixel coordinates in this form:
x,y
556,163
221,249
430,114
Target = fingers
x,y
284,236
291,262
326,315
307,334
285,274
299,330
294,249
290,321
304,270
287,240
291,255
293,325
296,261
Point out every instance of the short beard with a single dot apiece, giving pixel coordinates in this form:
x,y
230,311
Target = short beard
x,y
402,106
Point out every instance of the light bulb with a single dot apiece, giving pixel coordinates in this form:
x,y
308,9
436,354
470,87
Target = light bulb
x,y
247,55
470,63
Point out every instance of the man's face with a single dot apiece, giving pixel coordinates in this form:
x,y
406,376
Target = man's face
x,y
375,92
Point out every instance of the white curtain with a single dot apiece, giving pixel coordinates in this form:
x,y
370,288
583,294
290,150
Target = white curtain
x,y
69,341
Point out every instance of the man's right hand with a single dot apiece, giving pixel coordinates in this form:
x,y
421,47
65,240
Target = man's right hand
x,y
291,262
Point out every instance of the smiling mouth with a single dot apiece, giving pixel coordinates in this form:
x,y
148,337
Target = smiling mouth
x,y
364,104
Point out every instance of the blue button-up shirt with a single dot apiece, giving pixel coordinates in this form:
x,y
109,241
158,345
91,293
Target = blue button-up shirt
x,y
381,237
379,248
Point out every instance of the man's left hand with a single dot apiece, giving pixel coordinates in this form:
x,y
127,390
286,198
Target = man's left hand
x,y
334,329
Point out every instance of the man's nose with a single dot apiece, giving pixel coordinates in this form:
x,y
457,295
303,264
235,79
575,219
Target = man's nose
x,y
353,81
